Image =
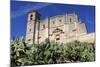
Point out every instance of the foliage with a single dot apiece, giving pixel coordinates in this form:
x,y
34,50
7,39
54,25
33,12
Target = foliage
x,y
50,52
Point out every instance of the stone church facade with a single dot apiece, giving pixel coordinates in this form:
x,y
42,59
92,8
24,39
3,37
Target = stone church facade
x,y
61,28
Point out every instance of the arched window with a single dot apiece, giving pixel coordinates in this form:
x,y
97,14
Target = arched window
x,y
31,17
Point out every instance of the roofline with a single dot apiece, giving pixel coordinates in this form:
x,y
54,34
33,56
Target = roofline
x,y
60,15
33,11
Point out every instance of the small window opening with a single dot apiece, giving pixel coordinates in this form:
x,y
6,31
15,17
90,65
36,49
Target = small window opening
x,y
57,38
60,20
30,30
31,17
39,37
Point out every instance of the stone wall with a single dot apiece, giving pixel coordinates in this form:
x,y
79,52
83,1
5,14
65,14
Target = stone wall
x,y
60,28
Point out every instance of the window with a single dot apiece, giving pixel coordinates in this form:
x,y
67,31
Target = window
x,y
29,30
43,26
70,20
31,17
60,20
39,37
57,38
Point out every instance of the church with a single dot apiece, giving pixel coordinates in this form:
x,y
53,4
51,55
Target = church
x,y
60,28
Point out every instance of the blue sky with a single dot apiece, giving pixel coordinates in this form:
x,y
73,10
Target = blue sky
x,y
19,11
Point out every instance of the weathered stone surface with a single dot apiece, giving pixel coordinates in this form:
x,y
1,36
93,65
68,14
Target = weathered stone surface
x,y
60,28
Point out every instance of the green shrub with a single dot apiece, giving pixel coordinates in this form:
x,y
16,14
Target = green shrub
x,y
50,52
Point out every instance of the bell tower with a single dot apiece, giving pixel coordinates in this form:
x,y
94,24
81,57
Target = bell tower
x,y
32,32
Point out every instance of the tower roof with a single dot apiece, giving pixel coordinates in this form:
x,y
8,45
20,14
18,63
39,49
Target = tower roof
x,y
33,11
